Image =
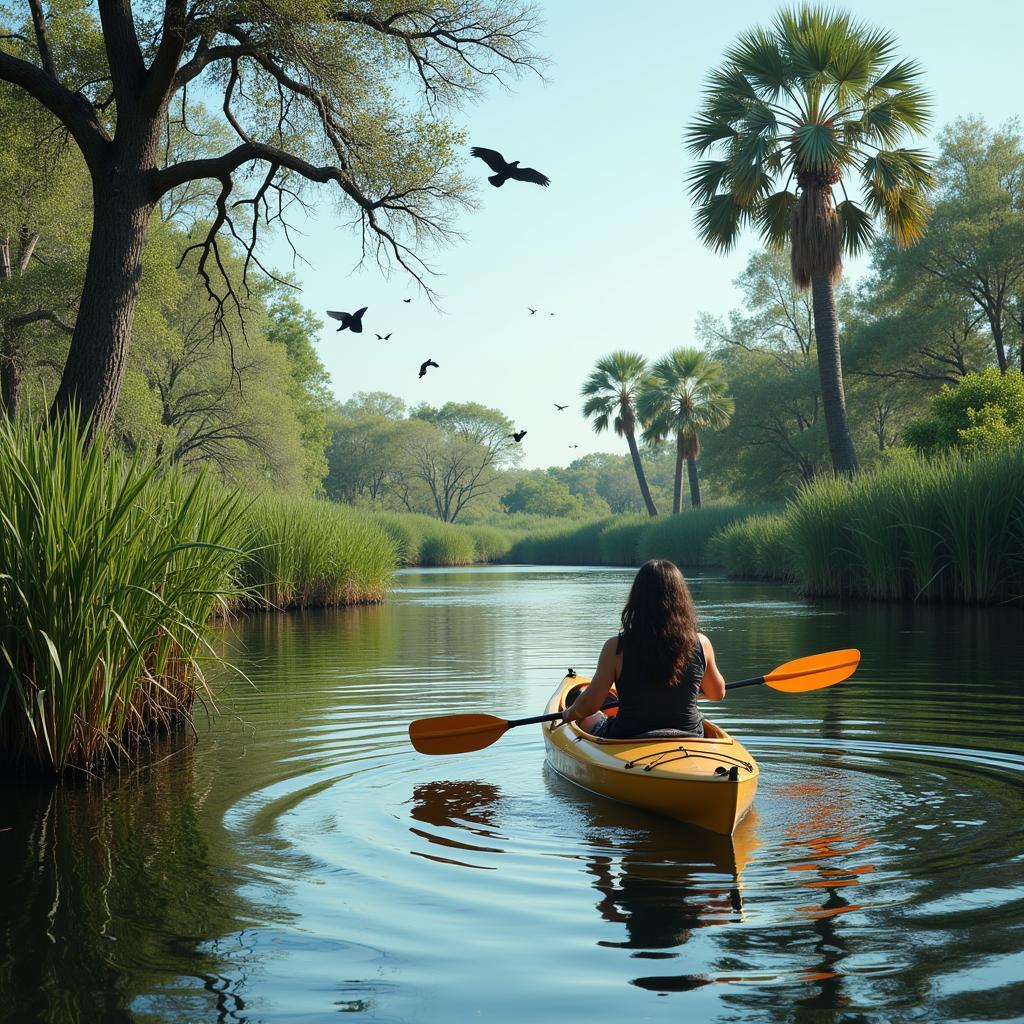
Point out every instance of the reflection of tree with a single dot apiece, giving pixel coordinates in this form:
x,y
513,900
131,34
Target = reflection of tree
x,y
99,884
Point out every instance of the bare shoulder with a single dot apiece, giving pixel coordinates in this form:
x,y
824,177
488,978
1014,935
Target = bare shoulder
x,y
705,643
611,646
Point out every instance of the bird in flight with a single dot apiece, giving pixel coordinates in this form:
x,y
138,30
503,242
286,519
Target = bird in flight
x,y
407,300
532,311
574,446
503,170
384,337
423,367
518,436
353,321
556,405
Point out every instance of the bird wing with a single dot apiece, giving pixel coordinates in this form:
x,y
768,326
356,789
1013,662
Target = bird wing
x,y
386,336
529,174
359,312
491,157
336,315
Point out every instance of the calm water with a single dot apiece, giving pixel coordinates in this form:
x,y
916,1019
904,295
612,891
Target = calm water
x,y
300,860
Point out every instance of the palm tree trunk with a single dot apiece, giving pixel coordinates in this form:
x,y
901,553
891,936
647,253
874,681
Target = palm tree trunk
x,y
677,486
691,469
830,373
640,477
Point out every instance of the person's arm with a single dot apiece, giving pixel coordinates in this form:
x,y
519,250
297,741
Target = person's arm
x,y
713,684
591,699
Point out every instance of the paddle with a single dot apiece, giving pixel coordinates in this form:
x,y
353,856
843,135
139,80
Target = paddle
x,y
458,734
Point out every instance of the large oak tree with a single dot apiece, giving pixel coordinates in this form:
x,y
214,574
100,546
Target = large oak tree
x,y
312,92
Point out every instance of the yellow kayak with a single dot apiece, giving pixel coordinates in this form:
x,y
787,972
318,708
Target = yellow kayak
x,y
709,782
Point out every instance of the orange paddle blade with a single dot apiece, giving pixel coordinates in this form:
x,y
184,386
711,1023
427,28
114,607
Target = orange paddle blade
x,y
814,672
456,734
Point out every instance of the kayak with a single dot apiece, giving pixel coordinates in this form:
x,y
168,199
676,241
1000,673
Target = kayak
x,y
709,782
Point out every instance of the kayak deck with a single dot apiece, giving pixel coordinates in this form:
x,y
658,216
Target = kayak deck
x,y
708,781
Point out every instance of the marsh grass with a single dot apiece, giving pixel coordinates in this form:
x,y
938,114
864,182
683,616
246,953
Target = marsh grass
x,y
684,538
306,553
757,546
109,571
424,540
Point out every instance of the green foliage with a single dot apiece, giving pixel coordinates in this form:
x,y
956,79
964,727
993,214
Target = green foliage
x,y
425,540
562,545
306,552
109,571
757,546
543,495
619,540
813,99
684,538
983,413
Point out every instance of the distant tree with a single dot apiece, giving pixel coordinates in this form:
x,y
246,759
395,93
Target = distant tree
x,y
610,392
983,412
543,495
375,403
310,93
822,100
684,395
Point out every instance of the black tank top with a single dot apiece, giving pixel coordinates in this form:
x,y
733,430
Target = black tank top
x,y
644,707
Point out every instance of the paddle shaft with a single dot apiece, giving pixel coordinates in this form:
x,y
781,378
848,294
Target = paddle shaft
x,y
537,719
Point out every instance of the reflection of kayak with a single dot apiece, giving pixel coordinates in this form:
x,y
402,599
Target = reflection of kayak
x,y
708,782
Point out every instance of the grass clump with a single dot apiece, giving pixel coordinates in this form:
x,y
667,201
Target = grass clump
x,y
757,546
305,553
109,572
683,538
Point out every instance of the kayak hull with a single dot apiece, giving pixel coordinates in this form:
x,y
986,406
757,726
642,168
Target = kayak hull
x,y
688,779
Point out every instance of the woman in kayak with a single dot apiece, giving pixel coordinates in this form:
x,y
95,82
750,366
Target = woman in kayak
x,y
659,663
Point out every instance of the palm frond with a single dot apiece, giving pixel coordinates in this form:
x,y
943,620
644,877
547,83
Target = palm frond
x,y
858,227
705,179
817,148
719,221
705,132
759,58
774,218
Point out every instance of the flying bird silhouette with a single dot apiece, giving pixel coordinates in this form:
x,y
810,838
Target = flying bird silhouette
x,y
407,300
423,367
353,321
532,311
560,407
518,436
384,337
503,170
574,446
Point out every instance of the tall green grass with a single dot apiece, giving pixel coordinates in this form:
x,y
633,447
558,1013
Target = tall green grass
x,y
305,552
424,540
109,571
683,538
946,529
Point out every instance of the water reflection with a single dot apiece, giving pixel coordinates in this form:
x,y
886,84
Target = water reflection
x,y
468,806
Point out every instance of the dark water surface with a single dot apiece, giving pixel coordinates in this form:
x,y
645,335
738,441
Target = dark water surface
x,y
301,861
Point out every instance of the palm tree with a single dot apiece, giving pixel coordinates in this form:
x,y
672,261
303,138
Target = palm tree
x,y
822,100
610,391
684,395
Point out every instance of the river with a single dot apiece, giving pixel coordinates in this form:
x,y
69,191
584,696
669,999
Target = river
x,y
296,859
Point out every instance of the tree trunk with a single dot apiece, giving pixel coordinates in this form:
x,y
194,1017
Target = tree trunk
x,y
98,355
830,373
691,469
677,485
10,381
641,478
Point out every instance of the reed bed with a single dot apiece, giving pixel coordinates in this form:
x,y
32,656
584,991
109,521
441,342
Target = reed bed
x,y
946,529
571,544
424,540
109,571
757,546
308,553
684,538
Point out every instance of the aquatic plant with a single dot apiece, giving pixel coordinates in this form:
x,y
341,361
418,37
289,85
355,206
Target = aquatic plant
x,y
109,571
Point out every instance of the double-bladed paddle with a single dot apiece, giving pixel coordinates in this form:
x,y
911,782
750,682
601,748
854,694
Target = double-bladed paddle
x,y
458,734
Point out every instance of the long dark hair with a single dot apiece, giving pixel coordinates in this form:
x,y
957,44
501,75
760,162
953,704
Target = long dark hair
x,y
659,623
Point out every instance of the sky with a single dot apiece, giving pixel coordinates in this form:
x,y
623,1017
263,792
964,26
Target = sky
x,y
610,248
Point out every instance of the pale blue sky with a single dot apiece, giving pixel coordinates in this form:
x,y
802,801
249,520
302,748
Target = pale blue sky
x,y
610,247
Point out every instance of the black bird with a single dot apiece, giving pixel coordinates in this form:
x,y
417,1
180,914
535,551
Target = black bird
x,y
518,436
384,337
353,321
532,311
574,446
423,367
503,170
407,300
556,405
